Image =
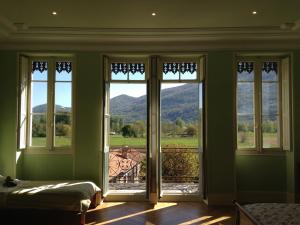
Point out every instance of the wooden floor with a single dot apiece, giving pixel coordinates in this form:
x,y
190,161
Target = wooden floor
x,y
133,213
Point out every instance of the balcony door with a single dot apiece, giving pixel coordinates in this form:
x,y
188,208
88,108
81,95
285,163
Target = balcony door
x,y
152,128
180,158
126,148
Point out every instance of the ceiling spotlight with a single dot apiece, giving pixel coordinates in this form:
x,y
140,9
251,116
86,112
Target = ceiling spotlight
x,y
254,12
54,13
153,14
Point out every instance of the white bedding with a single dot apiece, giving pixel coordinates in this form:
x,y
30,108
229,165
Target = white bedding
x,y
62,195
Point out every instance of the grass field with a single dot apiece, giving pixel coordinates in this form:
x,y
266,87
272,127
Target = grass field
x,y
59,141
119,140
246,140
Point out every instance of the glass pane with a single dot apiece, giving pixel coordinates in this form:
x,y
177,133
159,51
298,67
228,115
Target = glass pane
x,y
128,138
39,97
63,71
245,98
171,76
245,71
136,76
39,71
270,125
63,76
63,97
188,76
245,131
271,76
269,71
245,76
119,76
180,124
270,98
63,130
38,130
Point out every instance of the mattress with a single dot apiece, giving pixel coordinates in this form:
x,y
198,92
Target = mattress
x,y
61,195
274,213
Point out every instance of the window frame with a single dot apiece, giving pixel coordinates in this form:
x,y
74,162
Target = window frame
x,y
50,120
258,62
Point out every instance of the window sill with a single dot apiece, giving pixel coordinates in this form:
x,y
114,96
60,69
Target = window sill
x,y
275,152
42,151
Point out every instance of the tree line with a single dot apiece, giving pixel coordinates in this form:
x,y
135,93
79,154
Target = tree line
x,y
138,128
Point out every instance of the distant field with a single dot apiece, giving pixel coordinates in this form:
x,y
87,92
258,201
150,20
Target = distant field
x,y
119,140
270,140
59,141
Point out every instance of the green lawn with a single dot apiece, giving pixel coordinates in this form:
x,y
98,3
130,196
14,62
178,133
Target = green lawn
x,y
246,140
59,141
119,140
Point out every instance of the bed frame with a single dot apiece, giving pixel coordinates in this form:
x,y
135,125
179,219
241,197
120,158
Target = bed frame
x,y
96,200
243,217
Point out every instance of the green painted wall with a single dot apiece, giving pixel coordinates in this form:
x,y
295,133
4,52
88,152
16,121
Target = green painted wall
x,y
261,173
8,113
296,95
47,167
88,116
219,113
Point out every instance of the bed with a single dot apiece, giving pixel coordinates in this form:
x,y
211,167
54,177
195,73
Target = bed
x,y
73,196
268,214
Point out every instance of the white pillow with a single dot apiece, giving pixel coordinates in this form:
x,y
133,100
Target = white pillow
x,y
2,178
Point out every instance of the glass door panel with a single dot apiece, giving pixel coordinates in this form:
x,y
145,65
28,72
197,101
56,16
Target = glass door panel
x,y
181,111
128,138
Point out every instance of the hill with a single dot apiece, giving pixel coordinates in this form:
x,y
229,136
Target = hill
x,y
181,101
43,108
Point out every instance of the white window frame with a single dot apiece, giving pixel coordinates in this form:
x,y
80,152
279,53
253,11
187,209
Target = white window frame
x,y
283,73
50,127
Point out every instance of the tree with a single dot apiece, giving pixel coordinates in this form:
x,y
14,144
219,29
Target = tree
x,y
139,128
116,123
179,122
38,126
128,131
191,130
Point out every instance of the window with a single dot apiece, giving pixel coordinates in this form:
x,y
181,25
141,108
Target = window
x,y
45,103
260,96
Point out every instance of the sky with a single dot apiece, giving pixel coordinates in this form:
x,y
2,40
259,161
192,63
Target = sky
x,y
63,89
134,90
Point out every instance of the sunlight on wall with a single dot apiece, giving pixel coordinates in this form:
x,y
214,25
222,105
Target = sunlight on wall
x,y
18,154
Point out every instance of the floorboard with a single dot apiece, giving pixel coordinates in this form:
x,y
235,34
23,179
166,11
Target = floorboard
x,y
129,213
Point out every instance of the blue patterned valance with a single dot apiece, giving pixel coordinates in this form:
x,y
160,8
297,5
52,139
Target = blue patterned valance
x,y
249,66
126,68
63,66
269,66
39,66
179,67
245,67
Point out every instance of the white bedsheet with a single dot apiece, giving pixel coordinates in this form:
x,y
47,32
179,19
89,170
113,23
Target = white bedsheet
x,y
61,195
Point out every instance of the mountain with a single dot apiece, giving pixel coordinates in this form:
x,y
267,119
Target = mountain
x,y
43,108
180,101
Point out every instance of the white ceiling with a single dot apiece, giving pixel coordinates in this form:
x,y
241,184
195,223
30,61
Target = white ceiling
x,y
104,20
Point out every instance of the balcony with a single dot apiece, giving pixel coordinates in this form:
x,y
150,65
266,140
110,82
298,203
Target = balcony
x,y
180,170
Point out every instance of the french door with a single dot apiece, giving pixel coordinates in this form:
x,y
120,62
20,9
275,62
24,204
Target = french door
x,y
153,127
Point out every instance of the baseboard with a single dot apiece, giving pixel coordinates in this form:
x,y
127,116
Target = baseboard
x,y
290,197
261,196
219,199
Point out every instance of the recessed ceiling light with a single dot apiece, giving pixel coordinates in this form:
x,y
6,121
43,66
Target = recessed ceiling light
x,y
254,12
153,14
54,13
